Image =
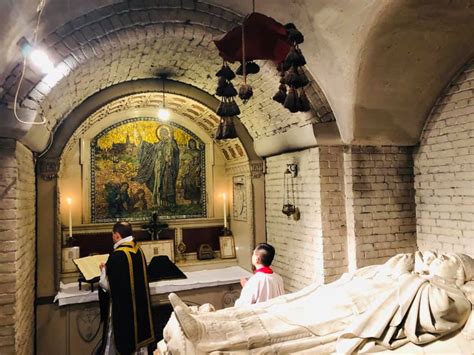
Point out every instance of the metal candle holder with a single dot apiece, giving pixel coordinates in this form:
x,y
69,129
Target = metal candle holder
x,y
290,173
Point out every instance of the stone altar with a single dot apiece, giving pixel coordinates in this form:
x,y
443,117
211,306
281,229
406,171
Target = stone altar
x,y
71,324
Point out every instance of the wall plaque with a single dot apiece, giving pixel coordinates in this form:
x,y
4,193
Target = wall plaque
x,y
239,190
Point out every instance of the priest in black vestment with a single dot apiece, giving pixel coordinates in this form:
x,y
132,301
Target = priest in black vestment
x,y
130,324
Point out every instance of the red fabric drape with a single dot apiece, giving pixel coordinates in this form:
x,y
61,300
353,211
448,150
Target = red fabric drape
x,y
265,38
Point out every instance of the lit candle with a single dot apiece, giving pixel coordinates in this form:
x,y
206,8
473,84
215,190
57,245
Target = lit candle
x,y
225,210
69,202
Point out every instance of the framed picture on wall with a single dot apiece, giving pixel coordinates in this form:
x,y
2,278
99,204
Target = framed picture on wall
x,y
227,247
68,255
158,247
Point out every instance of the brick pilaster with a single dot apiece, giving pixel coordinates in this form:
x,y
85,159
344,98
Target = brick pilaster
x,y
17,248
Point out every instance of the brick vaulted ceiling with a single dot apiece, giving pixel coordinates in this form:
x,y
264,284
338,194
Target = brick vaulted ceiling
x,y
131,41
380,64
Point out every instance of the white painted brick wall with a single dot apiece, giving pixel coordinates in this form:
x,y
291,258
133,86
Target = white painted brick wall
x,y
17,248
299,247
380,203
444,171
357,208
312,249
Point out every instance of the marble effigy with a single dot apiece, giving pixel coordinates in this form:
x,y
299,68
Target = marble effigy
x,y
412,298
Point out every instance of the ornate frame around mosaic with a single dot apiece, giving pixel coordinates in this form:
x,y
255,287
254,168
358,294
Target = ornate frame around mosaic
x,y
93,142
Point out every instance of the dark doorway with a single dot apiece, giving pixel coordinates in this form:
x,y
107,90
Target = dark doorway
x,y
161,314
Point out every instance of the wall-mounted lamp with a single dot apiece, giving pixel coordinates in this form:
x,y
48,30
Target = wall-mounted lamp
x,y
38,57
163,112
289,207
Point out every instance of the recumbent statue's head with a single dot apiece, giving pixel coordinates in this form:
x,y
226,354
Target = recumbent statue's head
x,y
454,267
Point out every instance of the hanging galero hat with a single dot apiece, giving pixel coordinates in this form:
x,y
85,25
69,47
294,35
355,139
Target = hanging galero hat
x,y
265,39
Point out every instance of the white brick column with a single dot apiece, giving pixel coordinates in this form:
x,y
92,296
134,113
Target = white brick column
x,y
380,203
312,249
333,214
17,248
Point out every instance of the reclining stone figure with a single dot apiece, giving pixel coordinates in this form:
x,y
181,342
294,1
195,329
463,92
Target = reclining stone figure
x,y
374,308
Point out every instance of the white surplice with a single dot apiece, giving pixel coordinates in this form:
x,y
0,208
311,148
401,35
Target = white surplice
x,y
261,287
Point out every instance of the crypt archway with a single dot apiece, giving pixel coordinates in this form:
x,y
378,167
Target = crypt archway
x,y
101,58
65,169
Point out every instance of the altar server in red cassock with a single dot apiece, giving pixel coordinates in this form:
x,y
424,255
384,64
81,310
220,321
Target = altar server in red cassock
x,y
130,325
264,284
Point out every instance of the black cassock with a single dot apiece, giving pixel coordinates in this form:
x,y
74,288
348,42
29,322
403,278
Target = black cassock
x,y
131,309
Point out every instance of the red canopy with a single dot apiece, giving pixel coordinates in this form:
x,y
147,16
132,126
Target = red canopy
x,y
265,38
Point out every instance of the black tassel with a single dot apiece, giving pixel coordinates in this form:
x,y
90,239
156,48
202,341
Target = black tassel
x,y
295,36
291,101
225,72
229,128
233,109
220,130
294,58
280,96
304,79
250,68
226,129
304,103
300,59
222,109
292,78
229,90
245,92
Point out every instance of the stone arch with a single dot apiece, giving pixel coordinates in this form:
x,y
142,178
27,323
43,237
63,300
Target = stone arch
x,y
49,198
94,103
412,50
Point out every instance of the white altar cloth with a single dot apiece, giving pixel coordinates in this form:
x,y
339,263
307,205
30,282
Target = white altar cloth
x,y
70,293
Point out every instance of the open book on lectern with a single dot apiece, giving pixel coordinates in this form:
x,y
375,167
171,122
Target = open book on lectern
x,y
89,265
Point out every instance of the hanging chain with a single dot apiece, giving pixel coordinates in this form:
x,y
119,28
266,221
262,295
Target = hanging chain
x,y
287,187
163,83
244,64
288,190
293,190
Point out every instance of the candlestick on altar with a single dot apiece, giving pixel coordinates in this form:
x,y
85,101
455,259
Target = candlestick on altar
x,y
225,210
69,202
